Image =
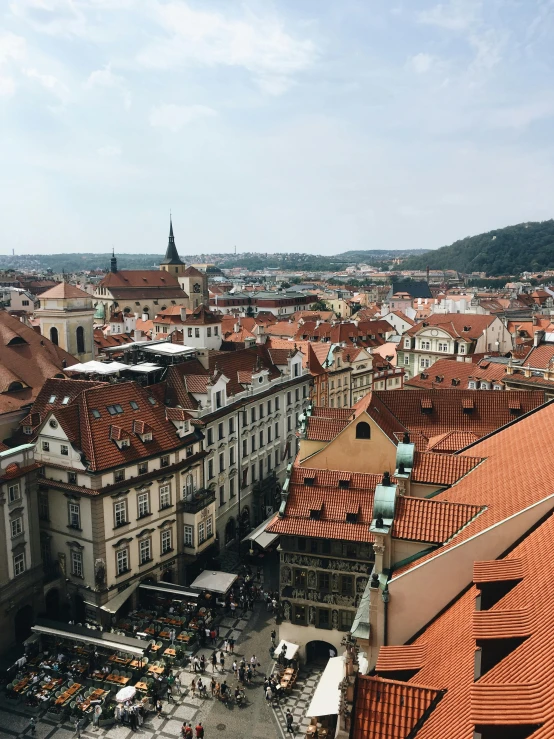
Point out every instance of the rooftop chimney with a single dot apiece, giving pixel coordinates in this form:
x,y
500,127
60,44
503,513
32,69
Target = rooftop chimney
x,y
386,479
406,438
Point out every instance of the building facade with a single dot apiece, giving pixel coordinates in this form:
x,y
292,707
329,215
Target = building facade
x,y
66,318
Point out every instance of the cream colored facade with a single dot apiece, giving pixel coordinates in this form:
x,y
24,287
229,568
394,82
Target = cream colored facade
x,y
68,323
104,533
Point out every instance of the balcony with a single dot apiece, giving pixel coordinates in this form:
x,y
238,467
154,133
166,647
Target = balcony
x,y
197,500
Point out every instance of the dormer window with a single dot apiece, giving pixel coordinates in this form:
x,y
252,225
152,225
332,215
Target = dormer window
x,y
351,517
315,514
147,436
124,443
28,430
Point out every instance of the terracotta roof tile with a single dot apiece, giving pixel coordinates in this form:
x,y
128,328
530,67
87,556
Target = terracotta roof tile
x,y
502,624
455,324
498,570
324,429
400,658
441,469
430,520
388,709
65,290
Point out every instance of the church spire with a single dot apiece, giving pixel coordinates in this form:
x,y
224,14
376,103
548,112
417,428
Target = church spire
x,y
171,255
113,262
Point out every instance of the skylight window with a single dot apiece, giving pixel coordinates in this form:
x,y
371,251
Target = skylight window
x,y
52,399
151,400
65,401
134,405
118,408
96,413
111,410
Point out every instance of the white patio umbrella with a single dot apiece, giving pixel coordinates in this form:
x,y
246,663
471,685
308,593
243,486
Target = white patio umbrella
x,y
125,694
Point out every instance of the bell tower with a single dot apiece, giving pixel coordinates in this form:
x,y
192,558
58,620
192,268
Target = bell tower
x,y
66,318
172,262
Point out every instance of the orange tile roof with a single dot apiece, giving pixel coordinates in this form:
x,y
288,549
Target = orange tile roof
x,y
498,570
540,357
324,429
430,520
65,290
448,373
441,469
519,688
455,324
388,709
339,413
502,624
451,441
401,658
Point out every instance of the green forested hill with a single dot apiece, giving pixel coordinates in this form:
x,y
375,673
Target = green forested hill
x,y
505,251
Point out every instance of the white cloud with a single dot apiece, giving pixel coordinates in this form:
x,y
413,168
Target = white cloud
x,y
49,82
109,151
12,49
456,15
262,46
174,117
420,63
105,78
53,17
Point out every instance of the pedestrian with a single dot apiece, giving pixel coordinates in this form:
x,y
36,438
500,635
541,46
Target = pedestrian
x,y
268,695
290,728
159,708
133,720
193,687
253,663
78,727
202,663
226,645
214,661
273,638
208,634
222,662
213,635
235,667
196,663
96,717
212,686
169,693
188,731
172,636
199,730
231,644
33,725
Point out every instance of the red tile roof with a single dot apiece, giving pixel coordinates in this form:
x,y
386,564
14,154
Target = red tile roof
x,y
446,374
540,357
324,429
401,658
441,469
455,324
338,413
519,688
388,709
65,290
451,441
430,520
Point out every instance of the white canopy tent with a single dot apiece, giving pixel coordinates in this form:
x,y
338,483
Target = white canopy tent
x,y
326,699
215,582
98,368
261,536
169,349
292,649
114,604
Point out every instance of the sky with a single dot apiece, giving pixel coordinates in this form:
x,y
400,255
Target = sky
x,y
295,125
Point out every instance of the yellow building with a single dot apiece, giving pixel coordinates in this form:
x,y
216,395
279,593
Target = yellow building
x,y
66,318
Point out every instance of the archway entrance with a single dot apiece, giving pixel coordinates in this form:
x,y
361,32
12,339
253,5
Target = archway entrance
x,y
23,621
230,529
319,651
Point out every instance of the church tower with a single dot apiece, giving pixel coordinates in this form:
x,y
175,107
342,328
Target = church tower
x,y
172,262
66,318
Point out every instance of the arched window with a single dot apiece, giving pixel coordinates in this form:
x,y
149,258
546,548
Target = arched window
x,y
189,487
15,386
54,335
363,430
80,333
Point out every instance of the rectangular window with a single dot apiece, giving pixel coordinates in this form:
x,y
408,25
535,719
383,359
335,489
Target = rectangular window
x,y
297,394
252,415
300,578
145,551
165,497
261,468
268,407
261,438
289,398
14,492
268,463
189,333
346,619
16,526
231,456
277,403
253,443
299,614
323,581
220,432
231,426
209,333
188,535
210,469
244,448
276,429
269,434
119,475
72,478
276,458
120,513
347,585
45,446
201,532
143,504
210,437
74,515
245,477
76,563
209,527
197,333
253,472
142,468
64,450
305,391
43,507
122,561
222,462
289,423
406,359
166,541
261,410
164,461
324,622
189,451
231,487
221,494
19,564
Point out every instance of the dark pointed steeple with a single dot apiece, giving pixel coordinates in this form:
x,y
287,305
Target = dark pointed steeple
x,y
113,262
171,256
